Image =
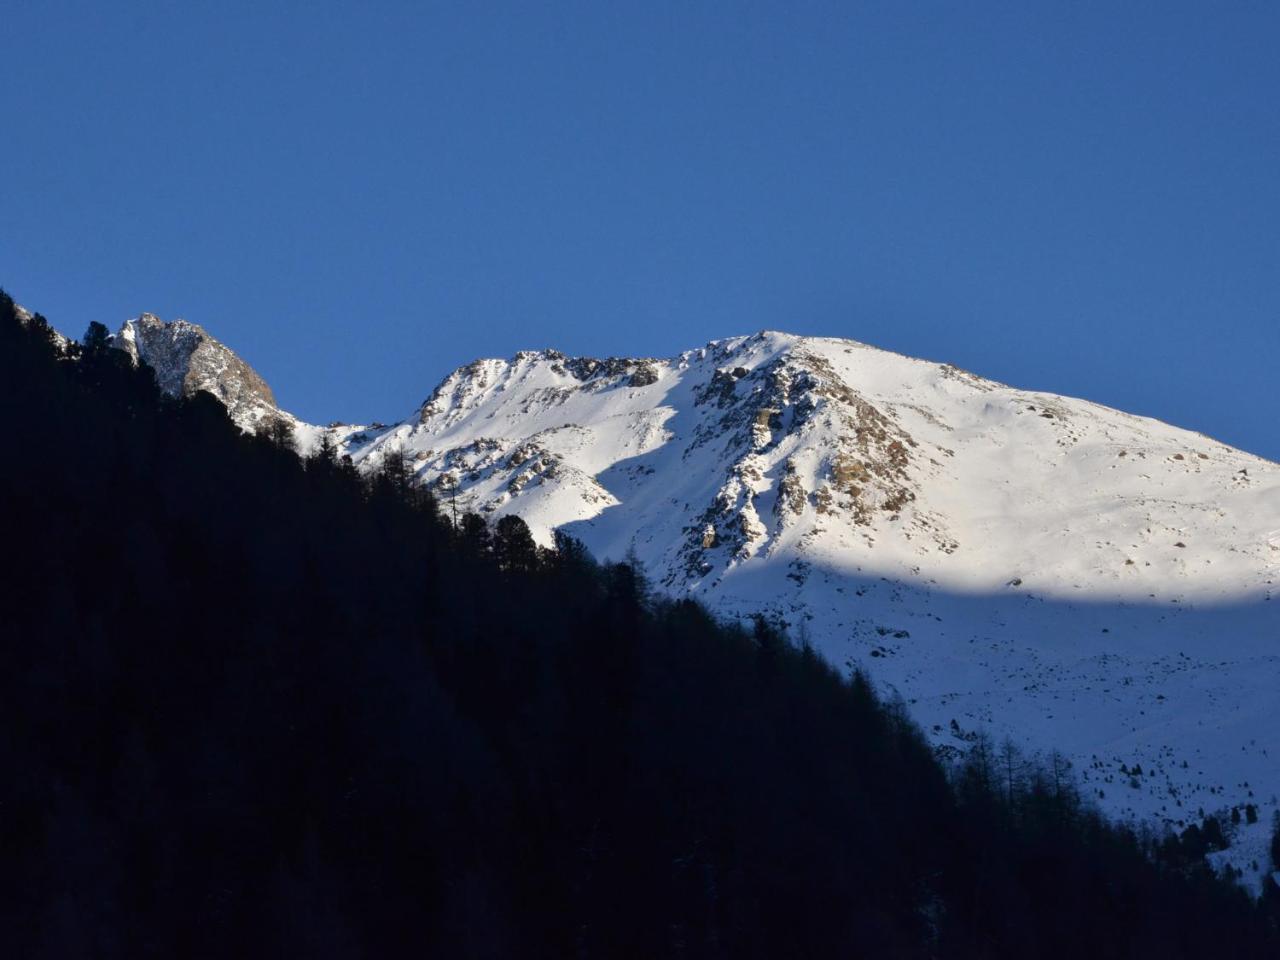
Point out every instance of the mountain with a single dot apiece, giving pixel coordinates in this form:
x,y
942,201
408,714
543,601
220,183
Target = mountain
x,y
267,708
1022,563
188,360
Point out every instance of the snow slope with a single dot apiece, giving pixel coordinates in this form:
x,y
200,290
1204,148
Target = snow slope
x,y
1022,563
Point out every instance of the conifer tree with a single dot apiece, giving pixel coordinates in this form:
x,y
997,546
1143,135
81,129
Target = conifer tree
x,y
514,546
474,534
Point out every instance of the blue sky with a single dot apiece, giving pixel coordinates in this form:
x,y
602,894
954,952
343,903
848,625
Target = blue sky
x,y
1077,197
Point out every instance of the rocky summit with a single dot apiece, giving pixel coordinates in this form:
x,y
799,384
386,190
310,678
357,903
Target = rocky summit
x,y
187,360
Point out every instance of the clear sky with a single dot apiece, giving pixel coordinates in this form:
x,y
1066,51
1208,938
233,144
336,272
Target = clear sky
x,y
1076,197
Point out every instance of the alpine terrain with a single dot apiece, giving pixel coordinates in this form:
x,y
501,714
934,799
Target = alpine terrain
x,y
1013,563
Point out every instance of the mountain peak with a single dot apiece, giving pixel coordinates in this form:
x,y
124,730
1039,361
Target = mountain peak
x,y
187,360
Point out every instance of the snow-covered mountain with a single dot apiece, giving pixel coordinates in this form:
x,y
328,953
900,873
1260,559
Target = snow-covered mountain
x,y
1023,563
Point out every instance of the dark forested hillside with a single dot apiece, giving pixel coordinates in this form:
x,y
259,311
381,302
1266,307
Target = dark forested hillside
x,y
258,706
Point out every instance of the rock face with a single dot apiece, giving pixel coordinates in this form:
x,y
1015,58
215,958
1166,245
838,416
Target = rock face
x,y
187,360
